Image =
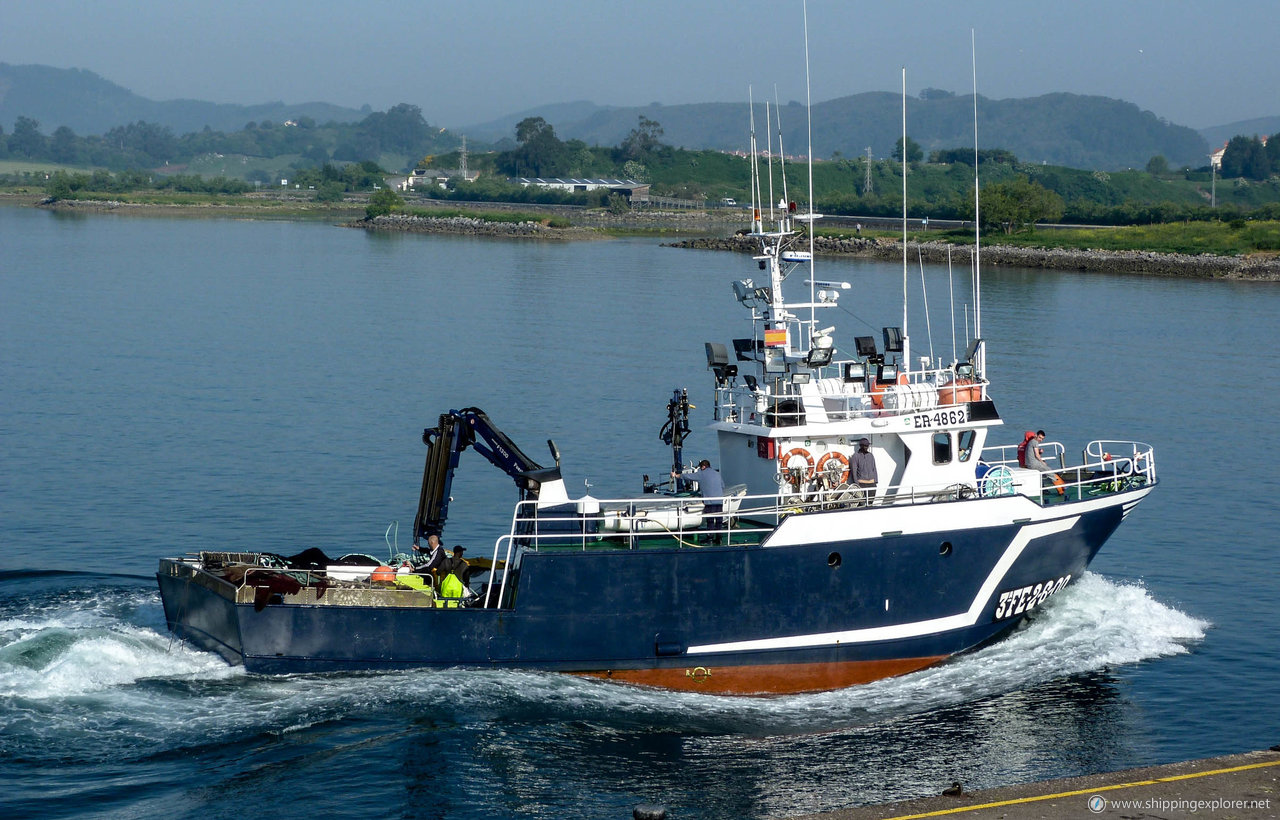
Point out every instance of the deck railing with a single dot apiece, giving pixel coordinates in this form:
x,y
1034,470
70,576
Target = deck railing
x,y
682,520
778,402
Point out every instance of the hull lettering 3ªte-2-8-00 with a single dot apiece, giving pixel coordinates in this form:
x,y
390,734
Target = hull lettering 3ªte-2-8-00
x,y
1018,601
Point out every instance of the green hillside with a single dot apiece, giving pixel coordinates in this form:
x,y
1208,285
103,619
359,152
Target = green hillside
x,y
1058,129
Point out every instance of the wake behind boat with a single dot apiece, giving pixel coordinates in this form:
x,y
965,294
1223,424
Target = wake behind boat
x,y
859,526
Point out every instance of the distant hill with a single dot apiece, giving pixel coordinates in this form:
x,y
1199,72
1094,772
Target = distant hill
x,y
505,127
88,104
1262,127
1059,129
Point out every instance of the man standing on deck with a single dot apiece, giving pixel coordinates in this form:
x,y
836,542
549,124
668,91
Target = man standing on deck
x,y
711,488
864,470
435,555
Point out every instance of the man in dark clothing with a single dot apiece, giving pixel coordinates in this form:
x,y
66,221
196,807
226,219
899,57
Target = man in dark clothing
x,y
864,470
456,565
434,555
710,487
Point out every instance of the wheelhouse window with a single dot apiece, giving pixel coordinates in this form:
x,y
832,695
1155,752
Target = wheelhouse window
x,y
941,448
966,440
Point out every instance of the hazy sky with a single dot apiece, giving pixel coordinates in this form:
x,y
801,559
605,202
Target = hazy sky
x,y
466,61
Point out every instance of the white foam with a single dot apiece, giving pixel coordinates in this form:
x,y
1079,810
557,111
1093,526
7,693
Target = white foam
x,y
66,662
98,665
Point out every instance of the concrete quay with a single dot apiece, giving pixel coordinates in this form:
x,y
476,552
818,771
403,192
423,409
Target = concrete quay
x,y
1239,787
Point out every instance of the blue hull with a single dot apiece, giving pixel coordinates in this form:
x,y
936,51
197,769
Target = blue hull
x,y
756,619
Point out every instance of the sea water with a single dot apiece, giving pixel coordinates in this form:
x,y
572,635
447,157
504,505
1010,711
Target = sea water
x,y
172,385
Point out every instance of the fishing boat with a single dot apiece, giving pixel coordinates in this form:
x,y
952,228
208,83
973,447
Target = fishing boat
x,y
867,527
798,579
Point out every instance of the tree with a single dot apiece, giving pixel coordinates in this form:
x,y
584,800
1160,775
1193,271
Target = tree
x,y
1017,204
315,154
1273,152
401,129
642,140
64,146
635,171
530,128
383,202
59,186
1158,165
332,192
541,153
965,156
145,142
1245,157
26,140
914,152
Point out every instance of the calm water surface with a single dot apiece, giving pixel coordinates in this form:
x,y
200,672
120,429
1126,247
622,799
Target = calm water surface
x,y
169,385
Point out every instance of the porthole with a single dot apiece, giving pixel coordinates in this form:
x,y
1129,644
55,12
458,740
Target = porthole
x,y
834,559
945,548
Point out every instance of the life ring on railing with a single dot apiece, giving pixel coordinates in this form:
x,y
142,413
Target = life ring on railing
x,y
842,459
784,463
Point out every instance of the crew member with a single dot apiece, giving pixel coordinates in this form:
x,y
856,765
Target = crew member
x,y
711,488
864,470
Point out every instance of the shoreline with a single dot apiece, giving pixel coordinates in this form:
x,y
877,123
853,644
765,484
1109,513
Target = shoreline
x,y
1257,268
592,225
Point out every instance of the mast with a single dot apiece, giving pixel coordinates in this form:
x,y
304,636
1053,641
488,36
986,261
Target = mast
x,y
756,193
808,104
981,364
906,346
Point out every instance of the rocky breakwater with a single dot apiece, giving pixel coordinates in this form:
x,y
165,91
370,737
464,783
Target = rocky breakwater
x,y
470,226
1261,267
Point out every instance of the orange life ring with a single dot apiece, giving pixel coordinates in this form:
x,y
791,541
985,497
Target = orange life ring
x,y
835,456
784,463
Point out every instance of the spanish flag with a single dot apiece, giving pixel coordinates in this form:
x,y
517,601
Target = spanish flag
x,y
775,337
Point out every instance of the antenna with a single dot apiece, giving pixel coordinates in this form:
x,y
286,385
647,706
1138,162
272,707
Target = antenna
x,y
768,134
866,182
951,291
464,158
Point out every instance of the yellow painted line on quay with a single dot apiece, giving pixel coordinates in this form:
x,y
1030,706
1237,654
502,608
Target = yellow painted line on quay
x,y
1095,790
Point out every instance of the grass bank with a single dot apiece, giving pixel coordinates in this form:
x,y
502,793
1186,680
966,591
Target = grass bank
x,y
1236,238
489,216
